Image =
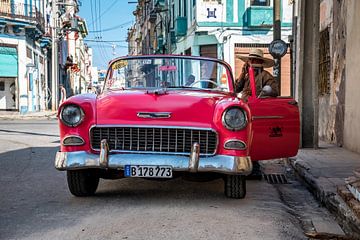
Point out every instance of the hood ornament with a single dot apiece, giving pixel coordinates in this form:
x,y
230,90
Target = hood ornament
x,y
154,115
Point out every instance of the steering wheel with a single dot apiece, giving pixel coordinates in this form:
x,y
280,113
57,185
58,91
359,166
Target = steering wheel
x,y
210,81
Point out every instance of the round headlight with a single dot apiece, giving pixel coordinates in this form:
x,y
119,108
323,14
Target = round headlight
x,y
71,115
234,119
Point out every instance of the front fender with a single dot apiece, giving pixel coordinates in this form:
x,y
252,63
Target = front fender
x,y
226,134
88,104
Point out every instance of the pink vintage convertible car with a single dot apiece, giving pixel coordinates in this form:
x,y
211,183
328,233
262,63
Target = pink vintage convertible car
x,y
169,116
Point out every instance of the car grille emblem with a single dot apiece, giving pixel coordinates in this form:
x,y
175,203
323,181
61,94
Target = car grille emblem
x,y
154,114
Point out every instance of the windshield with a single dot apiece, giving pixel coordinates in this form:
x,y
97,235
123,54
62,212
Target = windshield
x,y
168,72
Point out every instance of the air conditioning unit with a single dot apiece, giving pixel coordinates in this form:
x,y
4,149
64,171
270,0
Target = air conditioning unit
x,y
160,3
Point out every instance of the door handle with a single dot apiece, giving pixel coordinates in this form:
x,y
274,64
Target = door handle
x,y
293,102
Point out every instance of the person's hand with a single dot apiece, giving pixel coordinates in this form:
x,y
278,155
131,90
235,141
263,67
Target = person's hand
x,y
245,67
245,94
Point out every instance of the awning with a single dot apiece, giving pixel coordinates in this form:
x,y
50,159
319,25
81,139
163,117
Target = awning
x,y
8,62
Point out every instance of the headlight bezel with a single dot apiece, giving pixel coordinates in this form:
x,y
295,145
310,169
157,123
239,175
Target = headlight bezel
x,y
82,115
231,128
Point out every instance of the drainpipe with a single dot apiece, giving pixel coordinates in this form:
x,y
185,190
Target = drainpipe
x,y
276,36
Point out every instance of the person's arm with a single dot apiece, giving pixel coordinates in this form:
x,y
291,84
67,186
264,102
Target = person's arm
x,y
240,81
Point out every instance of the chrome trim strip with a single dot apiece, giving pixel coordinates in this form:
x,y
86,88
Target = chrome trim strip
x,y
73,136
219,163
153,127
266,117
154,115
153,152
235,140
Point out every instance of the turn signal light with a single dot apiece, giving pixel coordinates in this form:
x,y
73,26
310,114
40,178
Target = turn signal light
x,y
235,145
73,141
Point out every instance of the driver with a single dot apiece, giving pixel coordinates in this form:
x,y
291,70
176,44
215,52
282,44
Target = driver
x,y
262,77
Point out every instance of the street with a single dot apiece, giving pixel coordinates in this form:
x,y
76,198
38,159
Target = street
x,y
35,202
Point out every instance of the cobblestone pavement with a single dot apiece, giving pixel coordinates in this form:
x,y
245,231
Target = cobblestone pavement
x,y
36,204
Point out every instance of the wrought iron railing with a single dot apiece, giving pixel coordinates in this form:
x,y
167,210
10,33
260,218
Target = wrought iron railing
x,y
24,12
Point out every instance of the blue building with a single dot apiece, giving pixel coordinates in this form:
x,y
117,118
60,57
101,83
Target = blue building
x,y
24,61
221,29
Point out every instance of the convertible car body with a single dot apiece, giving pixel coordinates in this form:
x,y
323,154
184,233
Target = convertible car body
x,y
169,116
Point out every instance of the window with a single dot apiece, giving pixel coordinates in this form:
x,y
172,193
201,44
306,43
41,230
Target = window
x,y
29,52
324,65
260,2
172,16
185,10
2,86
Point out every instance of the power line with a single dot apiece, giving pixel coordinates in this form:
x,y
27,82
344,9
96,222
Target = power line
x,y
95,27
112,28
104,41
103,13
102,48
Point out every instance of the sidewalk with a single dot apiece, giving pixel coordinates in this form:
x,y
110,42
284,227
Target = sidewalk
x,y
8,115
325,170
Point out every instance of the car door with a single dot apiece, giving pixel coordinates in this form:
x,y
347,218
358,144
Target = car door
x,y
275,128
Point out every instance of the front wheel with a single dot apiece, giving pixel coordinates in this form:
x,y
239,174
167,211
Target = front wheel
x,y
82,183
235,186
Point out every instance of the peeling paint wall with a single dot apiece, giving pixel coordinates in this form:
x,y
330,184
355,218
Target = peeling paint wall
x,y
352,87
331,105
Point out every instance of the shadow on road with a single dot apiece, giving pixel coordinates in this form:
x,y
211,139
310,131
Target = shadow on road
x,y
36,199
30,133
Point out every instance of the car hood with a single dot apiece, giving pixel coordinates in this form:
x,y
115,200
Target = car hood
x,y
186,107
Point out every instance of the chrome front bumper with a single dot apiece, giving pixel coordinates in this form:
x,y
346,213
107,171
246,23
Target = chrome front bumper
x,y
218,163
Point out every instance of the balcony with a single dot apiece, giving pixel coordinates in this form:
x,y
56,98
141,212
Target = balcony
x,y
20,11
259,16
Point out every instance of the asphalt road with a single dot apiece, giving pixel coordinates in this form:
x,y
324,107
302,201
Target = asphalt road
x,y
36,204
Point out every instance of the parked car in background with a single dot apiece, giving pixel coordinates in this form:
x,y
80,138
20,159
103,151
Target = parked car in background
x,y
150,121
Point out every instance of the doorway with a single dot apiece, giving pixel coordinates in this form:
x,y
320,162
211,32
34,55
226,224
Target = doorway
x,y
7,94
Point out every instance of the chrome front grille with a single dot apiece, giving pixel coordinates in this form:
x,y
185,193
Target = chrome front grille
x,y
157,140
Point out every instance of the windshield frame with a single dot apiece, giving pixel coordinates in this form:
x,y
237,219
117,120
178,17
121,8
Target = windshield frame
x,y
230,76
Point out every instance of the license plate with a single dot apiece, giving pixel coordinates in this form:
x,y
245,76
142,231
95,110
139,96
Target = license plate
x,y
148,171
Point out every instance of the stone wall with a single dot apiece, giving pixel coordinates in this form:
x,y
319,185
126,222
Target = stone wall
x,y
331,105
352,87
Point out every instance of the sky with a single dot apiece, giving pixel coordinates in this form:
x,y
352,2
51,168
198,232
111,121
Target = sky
x,y
111,27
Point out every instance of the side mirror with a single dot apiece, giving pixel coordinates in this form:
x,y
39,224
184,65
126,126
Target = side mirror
x,y
266,91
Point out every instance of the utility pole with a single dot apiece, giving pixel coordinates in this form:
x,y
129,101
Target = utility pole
x,y
54,58
277,35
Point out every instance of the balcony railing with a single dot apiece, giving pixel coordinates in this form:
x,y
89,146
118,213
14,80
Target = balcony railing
x,y
24,12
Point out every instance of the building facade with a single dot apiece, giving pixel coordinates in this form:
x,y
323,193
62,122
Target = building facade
x,y
338,83
221,29
75,56
27,31
24,55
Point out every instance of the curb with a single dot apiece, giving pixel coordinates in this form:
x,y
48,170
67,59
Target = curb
x,y
28,117
329,197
